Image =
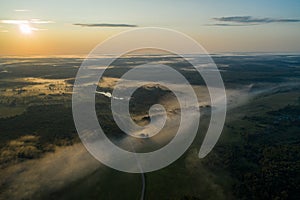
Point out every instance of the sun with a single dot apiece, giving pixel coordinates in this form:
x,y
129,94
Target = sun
x,y
25,29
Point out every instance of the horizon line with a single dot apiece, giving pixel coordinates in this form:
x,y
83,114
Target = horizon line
x,y
151,54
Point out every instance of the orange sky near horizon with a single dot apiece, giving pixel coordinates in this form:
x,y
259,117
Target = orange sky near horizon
x,y
78,42
51,42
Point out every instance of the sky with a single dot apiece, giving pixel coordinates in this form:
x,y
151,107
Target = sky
x,y
65,27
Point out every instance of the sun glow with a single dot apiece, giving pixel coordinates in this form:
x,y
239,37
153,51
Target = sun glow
x,y
25,29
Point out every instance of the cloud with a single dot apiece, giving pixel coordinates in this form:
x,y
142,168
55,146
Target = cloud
x,y
104,25
21,10
224,24
38,21
249,20
38,29
14,21
31,21
26,24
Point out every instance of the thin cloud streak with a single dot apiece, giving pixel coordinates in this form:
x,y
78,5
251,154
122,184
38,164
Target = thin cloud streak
x,y
249,21
104,25
223,24
27,23
21,10
31,21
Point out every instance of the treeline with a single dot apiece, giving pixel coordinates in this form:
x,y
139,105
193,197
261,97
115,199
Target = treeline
x,y
264,163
